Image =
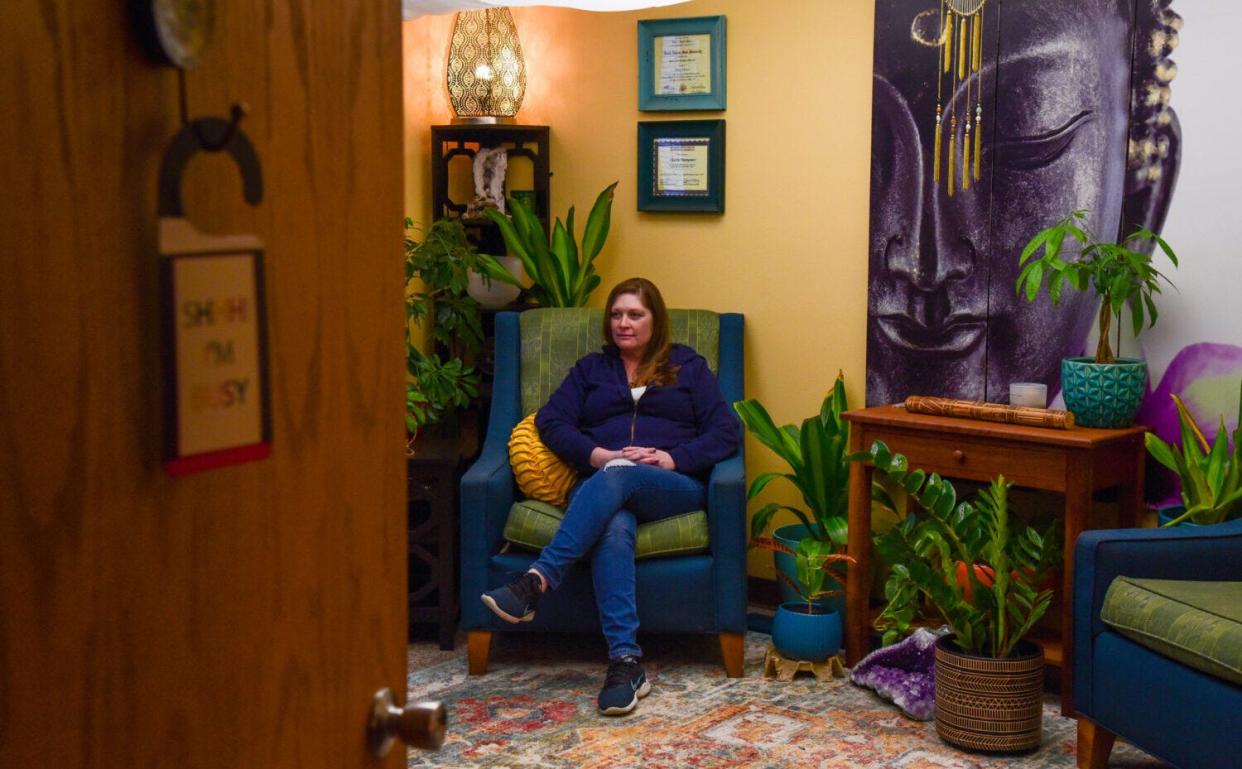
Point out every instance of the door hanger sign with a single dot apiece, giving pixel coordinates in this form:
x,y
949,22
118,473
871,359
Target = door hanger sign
x,y
213,318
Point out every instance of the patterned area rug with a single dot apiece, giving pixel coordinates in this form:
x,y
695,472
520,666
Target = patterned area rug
x,y
535,707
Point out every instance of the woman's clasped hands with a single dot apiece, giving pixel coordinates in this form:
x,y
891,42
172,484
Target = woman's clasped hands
x,y
640,455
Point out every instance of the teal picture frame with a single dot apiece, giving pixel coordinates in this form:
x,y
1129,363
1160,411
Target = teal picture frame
x,y
697,85
701,143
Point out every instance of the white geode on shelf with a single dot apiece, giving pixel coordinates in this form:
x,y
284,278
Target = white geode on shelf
x,y
490,166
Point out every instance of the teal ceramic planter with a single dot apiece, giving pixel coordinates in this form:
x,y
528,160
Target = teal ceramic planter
x,y
1103,394
1171,513
790,536
806,632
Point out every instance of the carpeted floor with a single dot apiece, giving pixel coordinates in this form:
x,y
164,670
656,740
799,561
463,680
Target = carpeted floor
x,y
536,708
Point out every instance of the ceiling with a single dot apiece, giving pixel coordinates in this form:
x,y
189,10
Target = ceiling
x,y
412,9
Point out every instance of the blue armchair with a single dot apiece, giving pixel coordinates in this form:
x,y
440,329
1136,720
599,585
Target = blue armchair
x,y
1185,717
700,593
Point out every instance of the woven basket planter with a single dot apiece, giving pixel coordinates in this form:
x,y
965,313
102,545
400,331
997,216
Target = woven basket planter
x,y
990,704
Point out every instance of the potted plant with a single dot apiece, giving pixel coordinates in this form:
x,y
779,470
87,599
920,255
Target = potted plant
x,y
807,629
435,391
443,260
990,608
563,274
1211,476
816,453
1103,391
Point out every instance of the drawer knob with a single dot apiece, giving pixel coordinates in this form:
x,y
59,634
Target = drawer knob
x,y
959,456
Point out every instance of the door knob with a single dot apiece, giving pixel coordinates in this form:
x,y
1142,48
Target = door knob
x,y
419,725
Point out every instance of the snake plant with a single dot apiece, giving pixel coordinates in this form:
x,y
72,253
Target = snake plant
x,y
1211,475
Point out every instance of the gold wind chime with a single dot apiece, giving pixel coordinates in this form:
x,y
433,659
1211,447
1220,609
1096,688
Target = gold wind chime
x,y
960,61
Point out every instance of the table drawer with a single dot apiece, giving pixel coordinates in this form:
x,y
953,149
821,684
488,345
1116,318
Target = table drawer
x,y
1032,466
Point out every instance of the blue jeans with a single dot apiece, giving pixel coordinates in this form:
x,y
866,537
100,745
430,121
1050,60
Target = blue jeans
x,y
602,518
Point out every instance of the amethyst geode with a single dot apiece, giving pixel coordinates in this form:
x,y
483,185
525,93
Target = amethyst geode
x,y
904,673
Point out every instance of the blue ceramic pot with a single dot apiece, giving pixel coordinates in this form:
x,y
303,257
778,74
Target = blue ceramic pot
x,y
1103,394
1172,513
806,632
790,536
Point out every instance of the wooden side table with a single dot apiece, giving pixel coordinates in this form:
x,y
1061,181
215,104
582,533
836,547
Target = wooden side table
x,y
1075,462
431,505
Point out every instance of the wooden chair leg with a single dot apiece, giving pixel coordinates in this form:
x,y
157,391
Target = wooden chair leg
x,y
478,647
1094,744
732,649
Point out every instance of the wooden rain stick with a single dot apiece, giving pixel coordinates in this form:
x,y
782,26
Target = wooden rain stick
x,y
991,412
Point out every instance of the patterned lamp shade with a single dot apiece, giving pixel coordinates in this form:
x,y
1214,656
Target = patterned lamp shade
x,y
486,72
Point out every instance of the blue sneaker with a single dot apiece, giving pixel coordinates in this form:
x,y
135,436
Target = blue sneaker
x,y
515,602
625,685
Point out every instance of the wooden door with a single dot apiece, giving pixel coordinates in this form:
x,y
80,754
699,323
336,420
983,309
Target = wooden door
x,y
241,617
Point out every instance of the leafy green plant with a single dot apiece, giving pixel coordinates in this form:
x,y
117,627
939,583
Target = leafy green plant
x,y
1118,274
437,388
815,568
416,409
563,274
1211,476
927,549
442,260
816,453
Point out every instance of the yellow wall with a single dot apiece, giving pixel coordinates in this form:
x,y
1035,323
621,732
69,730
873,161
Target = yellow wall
x,y
791,249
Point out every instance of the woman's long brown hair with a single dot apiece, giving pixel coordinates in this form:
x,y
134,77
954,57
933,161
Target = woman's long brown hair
x,y
655,367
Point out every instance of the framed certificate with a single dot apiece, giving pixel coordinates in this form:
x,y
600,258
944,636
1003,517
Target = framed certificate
x,y
681,64
681,165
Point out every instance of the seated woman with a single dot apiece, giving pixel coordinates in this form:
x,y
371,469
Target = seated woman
x,y
644,421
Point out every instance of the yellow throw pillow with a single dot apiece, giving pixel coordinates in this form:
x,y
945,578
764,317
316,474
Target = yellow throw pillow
x,y
540,474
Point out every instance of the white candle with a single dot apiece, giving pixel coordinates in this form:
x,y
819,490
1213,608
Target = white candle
x,y
1028,394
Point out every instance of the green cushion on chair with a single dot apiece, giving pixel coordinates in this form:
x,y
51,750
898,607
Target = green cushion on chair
x,y
553,339
532,523
1199,624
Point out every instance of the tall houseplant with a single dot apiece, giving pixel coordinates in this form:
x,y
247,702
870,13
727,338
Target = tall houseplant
x,y
990,605
563,273
443,260
1120,276
816,453
1211,476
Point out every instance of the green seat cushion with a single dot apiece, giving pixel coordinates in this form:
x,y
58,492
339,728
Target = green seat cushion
x,y
532,523
554,338
1199,624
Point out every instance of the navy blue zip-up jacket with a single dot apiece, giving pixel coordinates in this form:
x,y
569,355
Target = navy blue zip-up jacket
x,y
593,407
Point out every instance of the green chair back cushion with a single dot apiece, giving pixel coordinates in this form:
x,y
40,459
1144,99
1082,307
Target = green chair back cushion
x,y
553,339
532,523
1199,624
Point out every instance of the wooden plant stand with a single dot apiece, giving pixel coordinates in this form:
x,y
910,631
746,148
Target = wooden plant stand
x,y
776,666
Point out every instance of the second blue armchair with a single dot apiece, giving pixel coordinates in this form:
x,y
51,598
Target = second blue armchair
x,y
1123,686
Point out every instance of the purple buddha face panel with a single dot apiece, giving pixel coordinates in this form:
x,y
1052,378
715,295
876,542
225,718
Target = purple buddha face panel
x,y
1052,99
